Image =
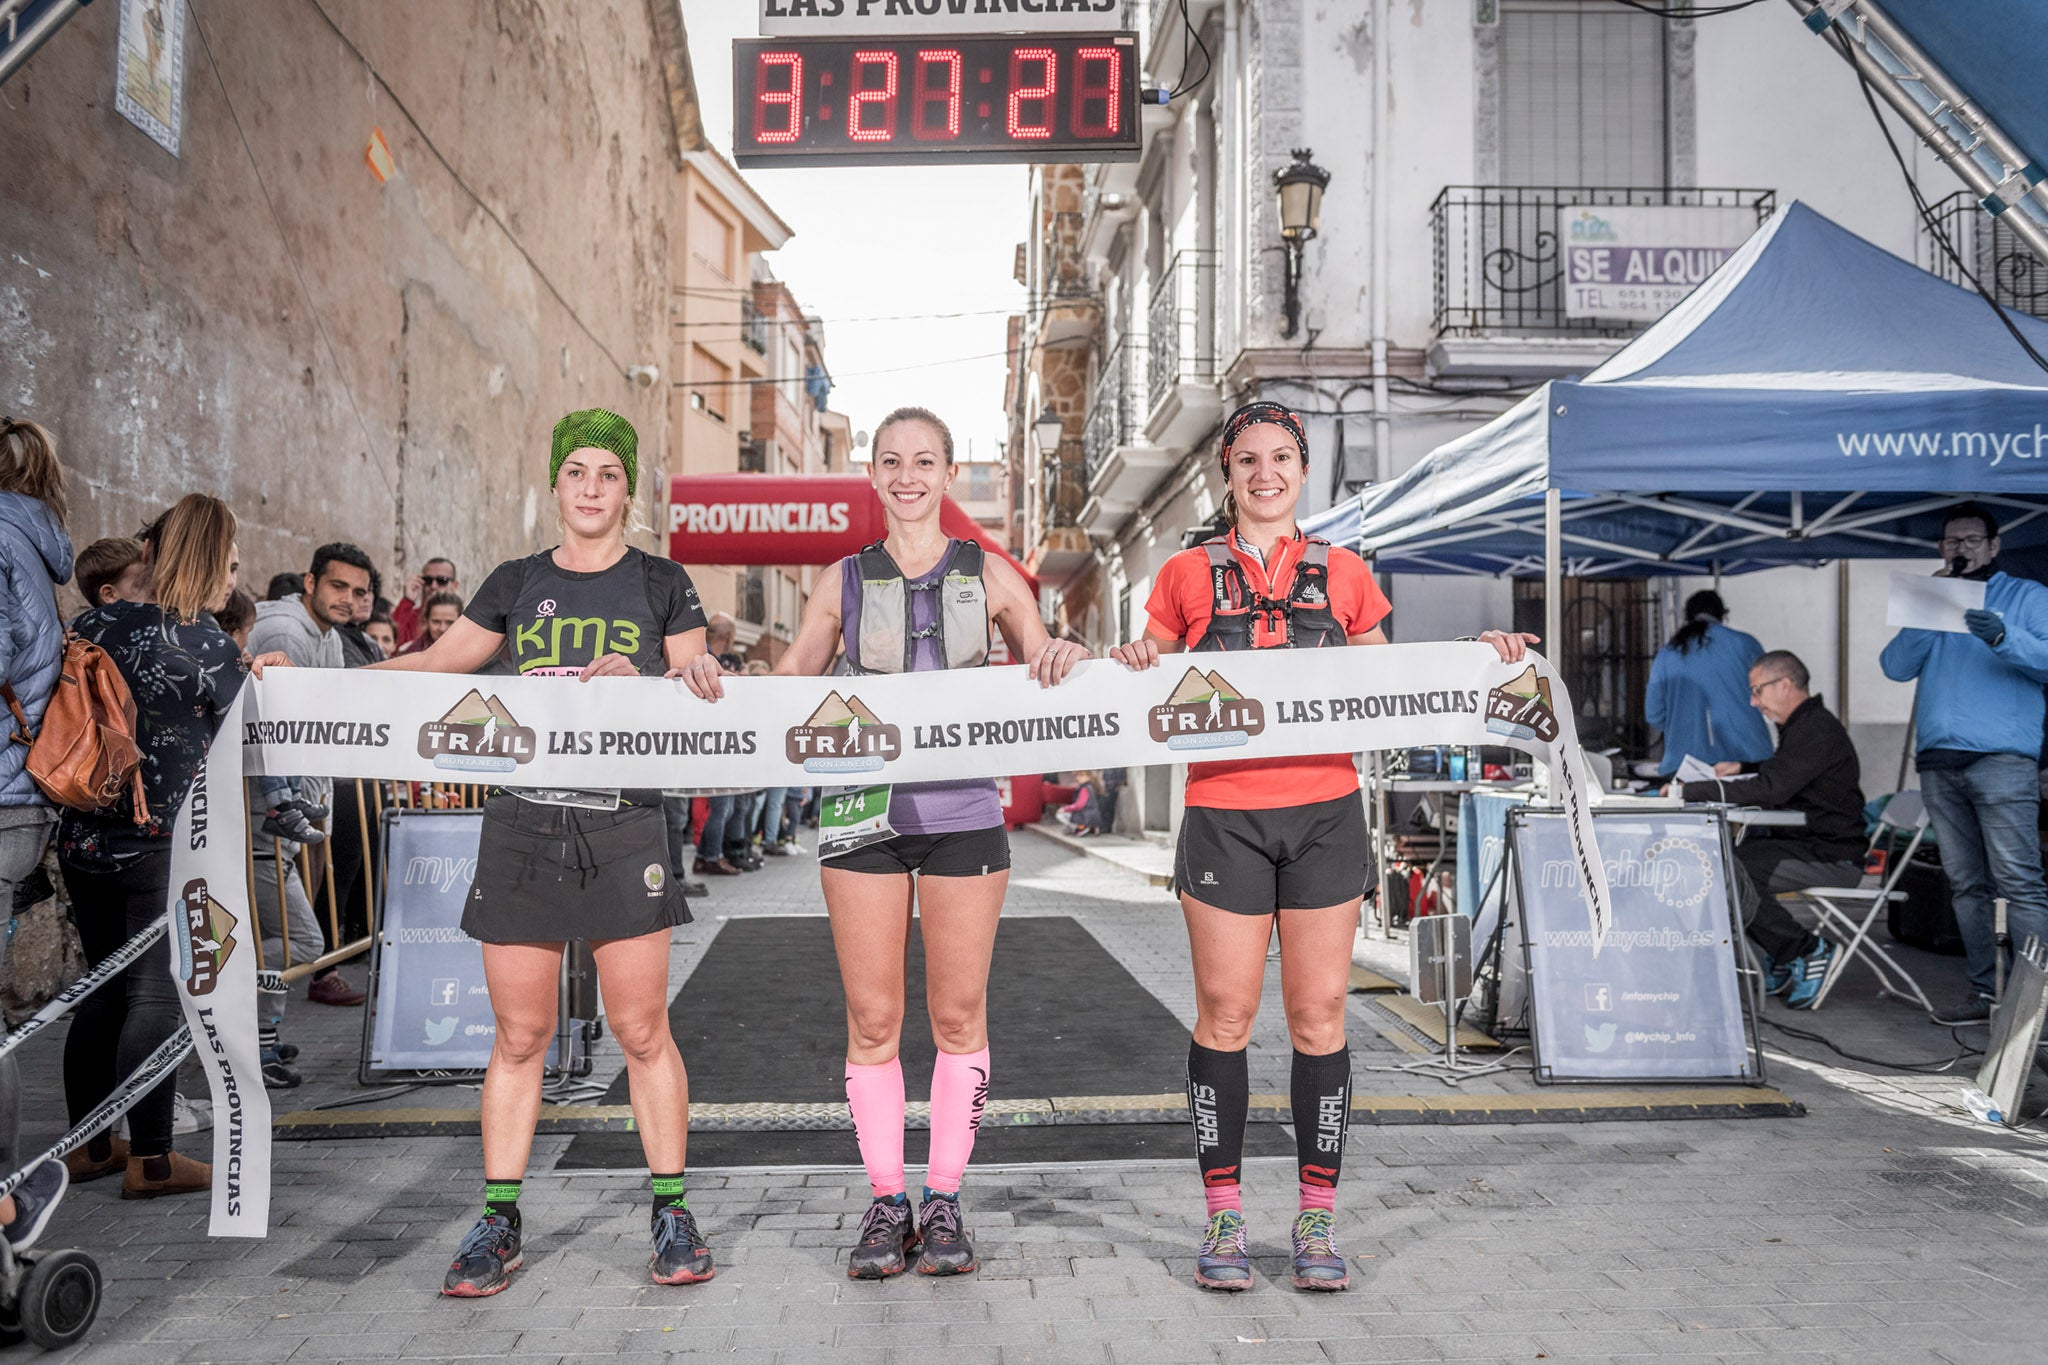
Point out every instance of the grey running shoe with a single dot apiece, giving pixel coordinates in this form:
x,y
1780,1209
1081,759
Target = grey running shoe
x,y
680,1255
35,1199
946,1248
485,1261
1317,1262
888,1235
1223,1262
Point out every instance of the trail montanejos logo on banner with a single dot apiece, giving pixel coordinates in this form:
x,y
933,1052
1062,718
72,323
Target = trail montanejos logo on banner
x,y
208,941
1206,712
843,736
477,735
1521,708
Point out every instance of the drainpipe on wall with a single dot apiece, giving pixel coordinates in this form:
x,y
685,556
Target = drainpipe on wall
x,y
1382,417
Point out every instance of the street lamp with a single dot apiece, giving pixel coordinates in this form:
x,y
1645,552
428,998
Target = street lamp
x,y
1048,429
1300,185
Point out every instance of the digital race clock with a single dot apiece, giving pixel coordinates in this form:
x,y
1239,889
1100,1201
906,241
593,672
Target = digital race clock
x,y
866,101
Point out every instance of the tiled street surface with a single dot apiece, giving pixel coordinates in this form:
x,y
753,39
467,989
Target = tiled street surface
x,y
1879,1227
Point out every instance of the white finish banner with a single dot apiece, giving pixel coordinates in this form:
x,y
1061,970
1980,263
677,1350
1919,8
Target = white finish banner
x,y
944,18
767,732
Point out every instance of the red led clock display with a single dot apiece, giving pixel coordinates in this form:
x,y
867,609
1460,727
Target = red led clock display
x,y
845,101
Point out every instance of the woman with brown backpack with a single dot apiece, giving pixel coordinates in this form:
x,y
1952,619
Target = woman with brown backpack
x,y
183,673
35,557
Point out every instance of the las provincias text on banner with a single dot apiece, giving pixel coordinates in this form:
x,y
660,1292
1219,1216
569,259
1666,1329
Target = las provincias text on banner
x,y
771,732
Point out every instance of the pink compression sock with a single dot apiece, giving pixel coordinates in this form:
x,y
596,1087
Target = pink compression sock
x,y
1223,1197
1319,1197
875,1094
959,1091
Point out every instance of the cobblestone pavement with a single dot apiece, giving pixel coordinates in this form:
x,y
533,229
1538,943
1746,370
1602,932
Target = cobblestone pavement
x,y
1877,1228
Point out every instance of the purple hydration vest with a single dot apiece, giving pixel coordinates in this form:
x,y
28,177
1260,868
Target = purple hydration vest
x,y
922,807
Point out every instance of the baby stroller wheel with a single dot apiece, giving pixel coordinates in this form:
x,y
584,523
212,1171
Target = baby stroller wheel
x,y
60,1296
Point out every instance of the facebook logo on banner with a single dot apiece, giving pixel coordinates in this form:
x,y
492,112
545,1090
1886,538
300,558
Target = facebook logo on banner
x,y
445,990
1599,997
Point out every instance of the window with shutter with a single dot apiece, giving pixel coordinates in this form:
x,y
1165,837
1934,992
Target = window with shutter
x,y
1582,95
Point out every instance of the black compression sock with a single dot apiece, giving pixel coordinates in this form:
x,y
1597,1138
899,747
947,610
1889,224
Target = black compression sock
x,y
668,1191
501,1197
1321,1095
1219,1096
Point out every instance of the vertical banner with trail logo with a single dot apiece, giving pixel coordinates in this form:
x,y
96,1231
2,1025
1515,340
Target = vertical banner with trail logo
x,y
213,936
566,737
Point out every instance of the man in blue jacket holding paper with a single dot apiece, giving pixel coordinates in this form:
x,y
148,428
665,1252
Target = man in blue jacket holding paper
x,y
1978,716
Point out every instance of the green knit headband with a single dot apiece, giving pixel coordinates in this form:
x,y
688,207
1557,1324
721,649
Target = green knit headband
x,y
596,429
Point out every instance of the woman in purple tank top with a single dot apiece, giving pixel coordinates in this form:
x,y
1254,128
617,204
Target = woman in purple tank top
x,y
883,610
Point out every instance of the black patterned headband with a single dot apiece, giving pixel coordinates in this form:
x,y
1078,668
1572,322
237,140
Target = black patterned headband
x,y
1251,414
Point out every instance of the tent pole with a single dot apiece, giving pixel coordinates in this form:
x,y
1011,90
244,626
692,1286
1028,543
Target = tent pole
x,y
1842,640
1553,582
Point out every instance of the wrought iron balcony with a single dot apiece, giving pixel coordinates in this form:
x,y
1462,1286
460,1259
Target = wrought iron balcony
x,y
1499,267
2003,265
1113,413
1181,326
753,327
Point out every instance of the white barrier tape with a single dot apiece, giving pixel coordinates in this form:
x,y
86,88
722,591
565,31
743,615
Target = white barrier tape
x,y
157,1065
773,732
60,1004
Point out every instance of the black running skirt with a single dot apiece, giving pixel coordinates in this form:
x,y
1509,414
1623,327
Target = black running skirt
x,y
547,874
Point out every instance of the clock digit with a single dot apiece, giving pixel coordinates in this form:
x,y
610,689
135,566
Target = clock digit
x,y
1022,94
1107,89
859,98
947,62
766,98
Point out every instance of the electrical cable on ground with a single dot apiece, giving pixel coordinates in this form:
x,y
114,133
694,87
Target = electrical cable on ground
x,y
1928,1067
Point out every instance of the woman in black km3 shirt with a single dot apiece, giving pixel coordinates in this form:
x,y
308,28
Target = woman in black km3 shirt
x,y
556,865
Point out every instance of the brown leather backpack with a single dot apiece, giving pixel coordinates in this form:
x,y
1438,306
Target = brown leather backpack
x,y
85,755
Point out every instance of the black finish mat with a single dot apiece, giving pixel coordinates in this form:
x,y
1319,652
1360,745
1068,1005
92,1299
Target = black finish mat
x,y
762,1019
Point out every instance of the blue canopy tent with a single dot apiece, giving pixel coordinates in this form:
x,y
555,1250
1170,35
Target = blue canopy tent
x,y
1817,398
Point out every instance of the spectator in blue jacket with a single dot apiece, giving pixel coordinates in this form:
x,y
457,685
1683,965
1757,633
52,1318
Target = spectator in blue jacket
x,y
1699,690
35,557
1977,713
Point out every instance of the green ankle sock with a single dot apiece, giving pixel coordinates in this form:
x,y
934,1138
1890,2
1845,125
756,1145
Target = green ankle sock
x,y
501,1197
668,1192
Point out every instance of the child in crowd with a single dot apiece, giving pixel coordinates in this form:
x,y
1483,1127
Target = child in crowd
x,y
112,570
237,618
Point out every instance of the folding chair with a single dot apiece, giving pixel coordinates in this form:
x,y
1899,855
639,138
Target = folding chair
x,y
1839,906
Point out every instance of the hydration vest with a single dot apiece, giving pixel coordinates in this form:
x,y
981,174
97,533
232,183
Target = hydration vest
x,y
886,643
1303,616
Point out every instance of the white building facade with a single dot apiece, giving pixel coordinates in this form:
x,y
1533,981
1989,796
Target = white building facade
x,y
1453,132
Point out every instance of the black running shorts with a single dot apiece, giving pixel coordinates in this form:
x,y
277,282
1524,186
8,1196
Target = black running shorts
x,y
1253,862
967,853
547,874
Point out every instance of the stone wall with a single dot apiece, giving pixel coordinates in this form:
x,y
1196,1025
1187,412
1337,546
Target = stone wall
x,y
340,358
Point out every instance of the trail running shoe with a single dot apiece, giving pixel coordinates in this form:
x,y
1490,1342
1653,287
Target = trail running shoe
x,y
1223,1263
485,1261
888,1235
946,1248
1810,971
1317,1262
680,1253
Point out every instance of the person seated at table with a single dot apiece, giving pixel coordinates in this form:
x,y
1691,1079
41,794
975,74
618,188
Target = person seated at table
x,y
1814,772
1695,692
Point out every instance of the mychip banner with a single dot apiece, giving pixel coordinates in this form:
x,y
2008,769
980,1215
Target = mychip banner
x,y
771,732
1664,1001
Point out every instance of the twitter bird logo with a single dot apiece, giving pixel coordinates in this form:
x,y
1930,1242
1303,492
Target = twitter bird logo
x,y
441,1030
1599,1039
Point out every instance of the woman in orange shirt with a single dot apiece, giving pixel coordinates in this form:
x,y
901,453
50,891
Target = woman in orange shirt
x,y
1269,843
